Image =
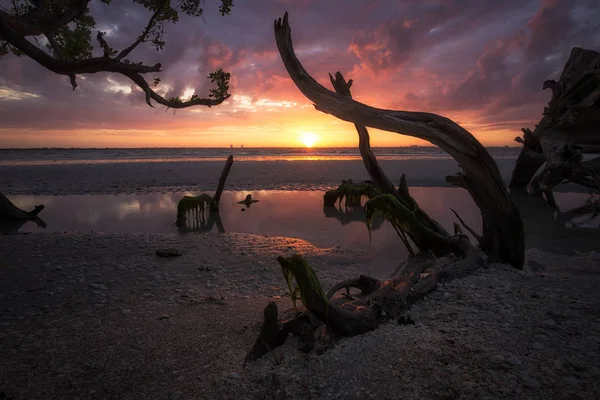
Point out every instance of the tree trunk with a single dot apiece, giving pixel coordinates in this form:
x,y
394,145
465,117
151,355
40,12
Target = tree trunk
x,y
503,238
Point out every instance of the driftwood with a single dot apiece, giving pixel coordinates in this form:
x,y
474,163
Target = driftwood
x,y
570,127
441,257
8,211
502,237
12,218
197,206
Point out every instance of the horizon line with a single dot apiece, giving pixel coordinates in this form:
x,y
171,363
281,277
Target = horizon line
x,y
235,148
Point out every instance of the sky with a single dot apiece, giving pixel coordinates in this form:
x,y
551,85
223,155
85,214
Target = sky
x,y
481,63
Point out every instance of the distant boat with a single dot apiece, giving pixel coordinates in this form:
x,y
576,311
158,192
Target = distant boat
x,y
242,146
231,146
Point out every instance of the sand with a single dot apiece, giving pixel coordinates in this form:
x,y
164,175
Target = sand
x,y
161,177
98,316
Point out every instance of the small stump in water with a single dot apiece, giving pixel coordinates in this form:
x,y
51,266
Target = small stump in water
x,y
248,200
168,253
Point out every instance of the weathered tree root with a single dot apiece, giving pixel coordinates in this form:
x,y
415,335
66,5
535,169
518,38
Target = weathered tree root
x,y
354,314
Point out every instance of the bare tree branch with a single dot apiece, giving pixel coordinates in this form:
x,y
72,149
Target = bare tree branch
x,y
503,236
98,64
125,52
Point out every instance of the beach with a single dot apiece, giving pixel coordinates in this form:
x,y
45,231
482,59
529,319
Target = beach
x,y
89,311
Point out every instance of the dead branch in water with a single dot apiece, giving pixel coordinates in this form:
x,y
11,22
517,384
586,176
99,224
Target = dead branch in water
x,y
198,205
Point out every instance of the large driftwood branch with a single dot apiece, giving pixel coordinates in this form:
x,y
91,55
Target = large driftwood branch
x,y
503,237
14,31
569,128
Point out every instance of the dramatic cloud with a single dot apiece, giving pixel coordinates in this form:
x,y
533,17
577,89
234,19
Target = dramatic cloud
x,y
481,63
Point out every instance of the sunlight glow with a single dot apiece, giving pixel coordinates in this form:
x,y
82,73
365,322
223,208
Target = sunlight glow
x,y
11,94
308,138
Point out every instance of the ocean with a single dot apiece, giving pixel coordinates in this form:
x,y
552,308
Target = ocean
x,y
43,156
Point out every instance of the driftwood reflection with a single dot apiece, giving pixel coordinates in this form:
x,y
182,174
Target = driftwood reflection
x,y
351,214
202,222
13,226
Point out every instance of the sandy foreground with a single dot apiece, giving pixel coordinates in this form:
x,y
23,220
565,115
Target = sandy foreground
x,y
100,316
162,177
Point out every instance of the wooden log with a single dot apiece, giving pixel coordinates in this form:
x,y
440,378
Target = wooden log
x,y
8,211
217,197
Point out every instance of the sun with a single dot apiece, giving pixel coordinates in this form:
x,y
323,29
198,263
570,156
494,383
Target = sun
x,y
308,138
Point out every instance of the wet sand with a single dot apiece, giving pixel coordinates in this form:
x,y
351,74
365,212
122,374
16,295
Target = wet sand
x,y
163,177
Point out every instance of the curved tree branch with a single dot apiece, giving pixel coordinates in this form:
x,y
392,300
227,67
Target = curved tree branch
x,y
15,35
142,38
502,225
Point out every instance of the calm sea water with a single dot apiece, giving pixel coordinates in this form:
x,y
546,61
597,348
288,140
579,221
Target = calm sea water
x,y
298,214
104,156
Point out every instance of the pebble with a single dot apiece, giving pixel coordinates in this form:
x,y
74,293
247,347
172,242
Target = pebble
x,y
537,346
233,375
548,323
532,383
176,395
163,316
571,381
98,286
498,358
512,360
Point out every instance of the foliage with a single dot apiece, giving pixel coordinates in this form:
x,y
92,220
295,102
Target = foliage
x,y
312,294
199,204
293,289
390,208
70,40
352,192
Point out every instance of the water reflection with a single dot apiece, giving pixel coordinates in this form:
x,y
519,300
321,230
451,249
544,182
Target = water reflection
x,y
351,214
298,214
14,226
203,223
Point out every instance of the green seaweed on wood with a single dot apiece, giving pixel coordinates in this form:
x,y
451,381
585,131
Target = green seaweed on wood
x,y
405,219
352,192
312,294
188,204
